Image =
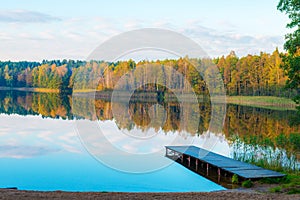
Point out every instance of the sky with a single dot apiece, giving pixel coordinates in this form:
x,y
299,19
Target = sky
x,y
71,29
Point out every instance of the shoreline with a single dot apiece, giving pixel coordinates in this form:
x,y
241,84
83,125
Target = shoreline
x,y
228,194
268,102
281,103
26,89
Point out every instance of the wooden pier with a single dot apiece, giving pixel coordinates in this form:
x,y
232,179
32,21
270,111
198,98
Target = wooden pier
x,y
215,167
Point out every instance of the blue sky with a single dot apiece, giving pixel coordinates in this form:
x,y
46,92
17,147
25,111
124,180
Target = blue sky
x,y
36,30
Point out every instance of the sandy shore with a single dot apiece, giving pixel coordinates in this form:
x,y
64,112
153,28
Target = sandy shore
x,y
230,194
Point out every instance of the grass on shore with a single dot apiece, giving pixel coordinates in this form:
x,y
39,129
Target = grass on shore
x,y
279,154
271,102
289,184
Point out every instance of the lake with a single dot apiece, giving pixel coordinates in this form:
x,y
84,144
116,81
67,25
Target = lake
x,y
48,141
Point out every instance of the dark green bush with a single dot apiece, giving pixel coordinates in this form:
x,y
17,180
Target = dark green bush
x,y
247,184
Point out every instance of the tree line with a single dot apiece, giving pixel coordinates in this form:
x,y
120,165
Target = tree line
x,y
259,75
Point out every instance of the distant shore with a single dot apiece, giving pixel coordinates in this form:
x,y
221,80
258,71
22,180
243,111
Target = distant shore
x,y
28,89
269,102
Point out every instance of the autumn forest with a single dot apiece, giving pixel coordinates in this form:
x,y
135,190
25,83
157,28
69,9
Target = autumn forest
x,y
257,75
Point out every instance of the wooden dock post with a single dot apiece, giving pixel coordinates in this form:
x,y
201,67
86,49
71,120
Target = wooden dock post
x,y
207,168
219,175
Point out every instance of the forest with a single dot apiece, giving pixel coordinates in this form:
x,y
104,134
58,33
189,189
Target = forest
x,y
256,75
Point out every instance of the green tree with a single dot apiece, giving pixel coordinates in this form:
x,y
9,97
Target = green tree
x,y
291,60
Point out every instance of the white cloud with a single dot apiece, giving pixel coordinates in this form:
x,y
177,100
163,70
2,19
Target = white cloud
x,y
25,16
77,38
5,36
217,43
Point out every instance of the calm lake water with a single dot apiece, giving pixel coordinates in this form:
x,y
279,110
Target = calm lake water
x,y
40,148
